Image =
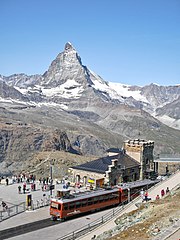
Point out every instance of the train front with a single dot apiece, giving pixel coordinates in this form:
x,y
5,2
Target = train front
x,y
56,209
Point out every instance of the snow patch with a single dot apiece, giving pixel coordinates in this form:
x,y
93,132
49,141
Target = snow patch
x,y
171,122
21,90
124,90
70,89
6,100
51,104
103,86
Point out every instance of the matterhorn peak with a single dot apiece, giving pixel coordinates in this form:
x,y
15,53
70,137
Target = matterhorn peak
x,y
68,46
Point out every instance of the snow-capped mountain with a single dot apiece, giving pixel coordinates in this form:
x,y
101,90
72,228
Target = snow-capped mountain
x,y
67,79
93,113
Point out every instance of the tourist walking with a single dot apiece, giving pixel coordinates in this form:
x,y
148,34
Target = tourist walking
x,y
24,187
4,205
146,196
167,190
162,193
7,181
19,189
157,197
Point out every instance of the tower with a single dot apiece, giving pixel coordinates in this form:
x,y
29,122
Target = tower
x,y
142,151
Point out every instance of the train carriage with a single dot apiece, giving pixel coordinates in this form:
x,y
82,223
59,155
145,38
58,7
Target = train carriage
x,y
75,204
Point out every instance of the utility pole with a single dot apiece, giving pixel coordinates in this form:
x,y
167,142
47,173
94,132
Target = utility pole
x,y
50,179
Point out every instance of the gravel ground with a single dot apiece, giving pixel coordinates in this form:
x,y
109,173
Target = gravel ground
x,y
152,220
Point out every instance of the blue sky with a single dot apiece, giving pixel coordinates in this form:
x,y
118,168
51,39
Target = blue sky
x,y
135,42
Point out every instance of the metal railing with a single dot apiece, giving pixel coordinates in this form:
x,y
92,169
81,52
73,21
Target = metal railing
x,y
43,202
12,211
105,218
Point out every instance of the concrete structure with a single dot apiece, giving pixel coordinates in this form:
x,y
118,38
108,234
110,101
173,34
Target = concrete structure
x,y
167,164
142,151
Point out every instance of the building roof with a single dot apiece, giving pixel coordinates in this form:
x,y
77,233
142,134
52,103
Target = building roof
x,y
140,142
101,165
127,162
114,150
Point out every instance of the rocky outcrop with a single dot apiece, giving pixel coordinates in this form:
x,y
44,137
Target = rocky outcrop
x,y
19,144
66,67
9,92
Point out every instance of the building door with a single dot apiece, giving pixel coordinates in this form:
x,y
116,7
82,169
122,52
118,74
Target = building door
x,y
85,180
78,178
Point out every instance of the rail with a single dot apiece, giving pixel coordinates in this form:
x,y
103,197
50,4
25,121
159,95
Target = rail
x,y
12,210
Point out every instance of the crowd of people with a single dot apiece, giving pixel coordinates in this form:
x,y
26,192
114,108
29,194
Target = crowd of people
x,y
145,195
28,179
163,193
27,183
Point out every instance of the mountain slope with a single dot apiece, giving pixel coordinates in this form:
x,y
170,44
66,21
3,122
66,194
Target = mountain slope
x,y
92,113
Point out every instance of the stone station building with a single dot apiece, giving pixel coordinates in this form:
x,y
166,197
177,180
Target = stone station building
x,y
142,151
133,162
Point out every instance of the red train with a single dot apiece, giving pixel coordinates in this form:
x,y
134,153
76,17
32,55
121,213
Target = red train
x,y
75,204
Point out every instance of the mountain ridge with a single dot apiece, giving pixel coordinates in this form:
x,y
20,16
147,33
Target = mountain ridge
x,y
95,113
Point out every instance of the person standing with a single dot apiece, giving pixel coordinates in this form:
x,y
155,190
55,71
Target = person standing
x,y
146,196
19,189
4,205
7,181
162,193
167,190
157,197
24,187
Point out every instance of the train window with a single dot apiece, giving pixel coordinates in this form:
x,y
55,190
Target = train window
x,y
71,205
113,196
54,205
116,196
96,200
101,198
84,203
106,197
90,201
66,206
125,192
78,204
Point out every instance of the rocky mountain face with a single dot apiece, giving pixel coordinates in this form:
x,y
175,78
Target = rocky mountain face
x,y
79,112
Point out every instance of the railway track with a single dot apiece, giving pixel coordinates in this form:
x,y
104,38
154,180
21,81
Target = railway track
x,y
29,227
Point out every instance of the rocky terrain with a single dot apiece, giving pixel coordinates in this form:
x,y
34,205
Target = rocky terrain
x,y
152,220
71,109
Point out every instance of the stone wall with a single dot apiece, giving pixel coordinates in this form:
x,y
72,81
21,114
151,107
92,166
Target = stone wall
x,y
171,166
85,177
142,151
